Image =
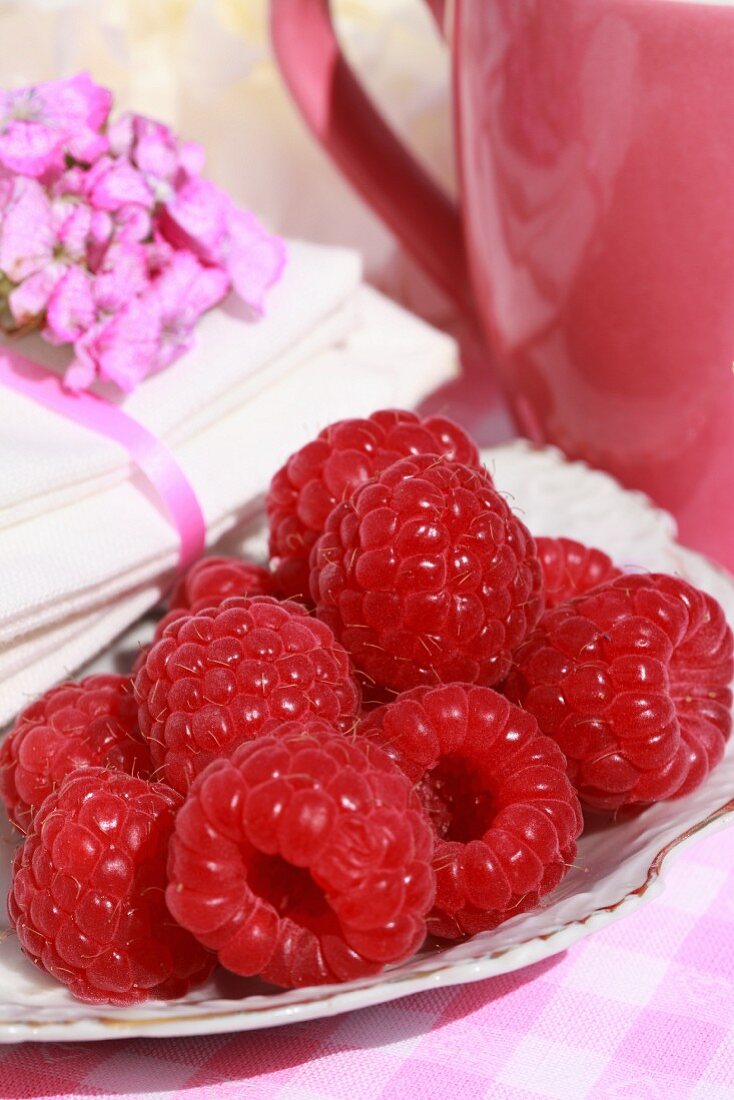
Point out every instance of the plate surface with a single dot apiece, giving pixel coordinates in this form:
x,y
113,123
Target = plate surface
x,y
618,865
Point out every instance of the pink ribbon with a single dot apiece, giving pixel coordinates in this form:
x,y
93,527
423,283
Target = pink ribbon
x,y
152,457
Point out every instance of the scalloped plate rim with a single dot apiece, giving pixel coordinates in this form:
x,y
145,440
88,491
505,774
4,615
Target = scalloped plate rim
x,y
192,1018
391,989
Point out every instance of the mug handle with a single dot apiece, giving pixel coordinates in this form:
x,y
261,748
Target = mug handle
x,y
364,147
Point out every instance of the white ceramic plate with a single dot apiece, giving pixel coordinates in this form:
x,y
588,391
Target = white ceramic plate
x,y
618,866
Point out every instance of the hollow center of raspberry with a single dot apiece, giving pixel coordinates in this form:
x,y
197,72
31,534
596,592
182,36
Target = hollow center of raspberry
x,y
291,891
457,800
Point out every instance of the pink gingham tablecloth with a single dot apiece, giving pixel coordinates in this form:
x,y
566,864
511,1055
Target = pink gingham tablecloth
x,y
644,1010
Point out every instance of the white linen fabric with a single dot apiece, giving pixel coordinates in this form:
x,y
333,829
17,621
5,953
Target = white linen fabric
x,y
44,460
85,548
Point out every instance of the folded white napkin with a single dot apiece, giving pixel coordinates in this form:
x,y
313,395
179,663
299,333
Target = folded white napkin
x,y
79,562
45,461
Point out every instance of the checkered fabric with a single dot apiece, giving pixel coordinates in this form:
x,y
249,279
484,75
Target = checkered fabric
x,y
641,1011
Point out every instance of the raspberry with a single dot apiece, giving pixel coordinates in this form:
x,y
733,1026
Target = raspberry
x,y
632,681
223,675
570,569
210,580
505,814
171,616
72,725
87,898
426,576
206,584
325,471
304,858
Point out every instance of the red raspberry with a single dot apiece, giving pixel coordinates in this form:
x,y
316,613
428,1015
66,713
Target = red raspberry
x,y
206,584
210,580
632,681
171,616
88,892
223,675
570,568
305,858
505,814
426,576
72,725
325,471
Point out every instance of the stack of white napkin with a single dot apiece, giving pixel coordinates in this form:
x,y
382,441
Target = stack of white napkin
x,y
85,549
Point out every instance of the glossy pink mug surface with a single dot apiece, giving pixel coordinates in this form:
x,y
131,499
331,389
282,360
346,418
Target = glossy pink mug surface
x,y
595,141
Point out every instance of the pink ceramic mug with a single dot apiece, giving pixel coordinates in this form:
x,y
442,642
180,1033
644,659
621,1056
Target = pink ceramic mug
x,y
595,141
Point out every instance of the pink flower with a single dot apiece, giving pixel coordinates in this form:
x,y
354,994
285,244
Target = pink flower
x,y
203,218
39,239
254,258
71,307
130,225
110,239
39,124
122,274
156,151
160,253
72,224
120,348
114,183
191,158
101,199
184,291
27,237
196,218
69,184
150,331
28,300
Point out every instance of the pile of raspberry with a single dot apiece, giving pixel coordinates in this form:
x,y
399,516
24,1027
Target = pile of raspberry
x,y
388,736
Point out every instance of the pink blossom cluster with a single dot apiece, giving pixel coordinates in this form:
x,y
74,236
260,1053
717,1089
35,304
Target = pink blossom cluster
x,y
110,239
